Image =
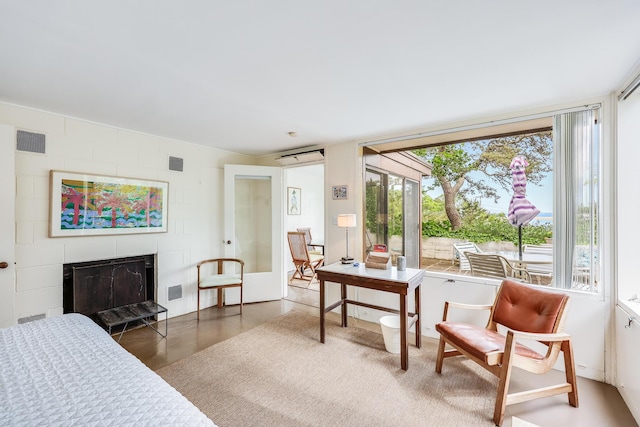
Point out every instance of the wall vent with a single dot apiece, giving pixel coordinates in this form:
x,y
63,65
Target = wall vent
x,y
175,292
176,164
30,141
31,318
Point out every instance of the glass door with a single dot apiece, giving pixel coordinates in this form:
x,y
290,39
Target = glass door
x,y
253,225
393,216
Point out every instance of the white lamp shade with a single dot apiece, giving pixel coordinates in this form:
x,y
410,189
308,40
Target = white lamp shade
x,y
346,220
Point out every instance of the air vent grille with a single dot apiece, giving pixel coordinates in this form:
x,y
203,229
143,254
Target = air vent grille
x,y
174,292
30,142
31,318
176,164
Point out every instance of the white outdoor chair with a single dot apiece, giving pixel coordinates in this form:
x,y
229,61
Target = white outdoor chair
x,y
539,270
459,249
490,265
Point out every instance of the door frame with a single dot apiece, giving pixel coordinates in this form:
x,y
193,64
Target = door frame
x,y
8,294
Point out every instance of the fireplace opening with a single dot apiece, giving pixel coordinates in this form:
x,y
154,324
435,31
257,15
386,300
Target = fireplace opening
x,y
92,286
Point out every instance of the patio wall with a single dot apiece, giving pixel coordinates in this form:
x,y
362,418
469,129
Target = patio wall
x,y
442,247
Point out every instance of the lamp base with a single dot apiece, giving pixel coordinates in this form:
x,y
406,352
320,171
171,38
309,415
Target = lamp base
x,y
346,260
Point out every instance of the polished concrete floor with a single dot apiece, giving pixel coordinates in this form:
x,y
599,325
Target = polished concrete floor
x,y
600,404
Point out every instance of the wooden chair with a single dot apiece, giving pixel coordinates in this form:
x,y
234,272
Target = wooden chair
x,y
491,265
221,278
307,237
525,313
459,249
301,257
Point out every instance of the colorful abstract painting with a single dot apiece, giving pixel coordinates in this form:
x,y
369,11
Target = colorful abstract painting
x,y
90,204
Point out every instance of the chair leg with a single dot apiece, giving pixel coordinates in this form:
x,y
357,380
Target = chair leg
x,y
241,299
570,372
503,383
198,315
440,357
298,272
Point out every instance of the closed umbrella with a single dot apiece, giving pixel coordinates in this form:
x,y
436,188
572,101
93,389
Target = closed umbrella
x,y
521,211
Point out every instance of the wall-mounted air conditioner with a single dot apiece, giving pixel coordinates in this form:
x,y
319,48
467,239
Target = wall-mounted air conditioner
x,y
299,156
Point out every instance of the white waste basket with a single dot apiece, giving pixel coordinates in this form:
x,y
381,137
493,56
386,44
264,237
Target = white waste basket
x,y
391,333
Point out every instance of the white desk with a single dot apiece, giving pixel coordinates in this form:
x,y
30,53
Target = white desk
x,y
390,280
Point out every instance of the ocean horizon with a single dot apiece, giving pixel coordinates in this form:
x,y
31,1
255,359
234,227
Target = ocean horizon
x,y
544,218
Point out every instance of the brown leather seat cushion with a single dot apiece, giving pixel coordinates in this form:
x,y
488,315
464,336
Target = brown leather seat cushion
x,y
480,342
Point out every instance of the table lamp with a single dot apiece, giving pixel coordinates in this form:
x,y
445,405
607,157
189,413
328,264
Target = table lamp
x,y
345,221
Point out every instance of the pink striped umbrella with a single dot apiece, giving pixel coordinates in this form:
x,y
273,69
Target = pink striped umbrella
x,y
521,211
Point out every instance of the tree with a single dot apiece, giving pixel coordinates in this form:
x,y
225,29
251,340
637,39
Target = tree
x,y
452,166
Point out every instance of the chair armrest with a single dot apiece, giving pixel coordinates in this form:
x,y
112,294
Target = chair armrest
x,y
469,306
447,304
560,336
523,271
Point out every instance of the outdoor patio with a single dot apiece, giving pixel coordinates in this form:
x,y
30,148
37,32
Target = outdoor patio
x,y
445,265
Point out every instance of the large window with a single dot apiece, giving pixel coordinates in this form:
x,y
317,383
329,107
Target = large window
x,y
529,199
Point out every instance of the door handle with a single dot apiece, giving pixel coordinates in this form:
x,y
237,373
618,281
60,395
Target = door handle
x,y
228,242
4,264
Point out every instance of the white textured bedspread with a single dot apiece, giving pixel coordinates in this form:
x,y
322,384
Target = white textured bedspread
x,y
66,370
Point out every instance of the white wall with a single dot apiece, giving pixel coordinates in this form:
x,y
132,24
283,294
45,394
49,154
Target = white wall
x,y
628,334
628,201
194,213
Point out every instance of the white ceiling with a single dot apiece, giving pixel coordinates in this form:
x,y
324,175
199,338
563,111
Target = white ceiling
x,y
240,74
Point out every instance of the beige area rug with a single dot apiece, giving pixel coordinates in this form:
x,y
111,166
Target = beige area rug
x,y
279,374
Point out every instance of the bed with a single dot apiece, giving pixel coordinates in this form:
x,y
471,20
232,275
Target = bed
x,y
66,370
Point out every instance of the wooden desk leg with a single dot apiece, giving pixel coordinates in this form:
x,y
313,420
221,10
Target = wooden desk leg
x,y
321,311
404,344
343,306
418,322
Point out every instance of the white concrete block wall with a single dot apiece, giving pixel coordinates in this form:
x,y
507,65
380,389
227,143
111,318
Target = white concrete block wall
x,y
195,215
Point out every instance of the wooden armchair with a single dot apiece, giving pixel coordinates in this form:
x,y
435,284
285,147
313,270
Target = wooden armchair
x,y
220,278
301,257
525,313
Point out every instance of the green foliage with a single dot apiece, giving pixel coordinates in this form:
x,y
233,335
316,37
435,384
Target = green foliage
x,y
451,171
395,212
496,228
478,225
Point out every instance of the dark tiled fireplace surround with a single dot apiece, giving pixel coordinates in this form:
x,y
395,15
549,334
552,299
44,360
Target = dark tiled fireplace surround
x,y
89,287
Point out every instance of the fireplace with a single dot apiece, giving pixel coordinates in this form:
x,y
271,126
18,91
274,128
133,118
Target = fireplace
x,y
89,287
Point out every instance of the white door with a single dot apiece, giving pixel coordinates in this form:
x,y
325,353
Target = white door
x,y
253,229
7,226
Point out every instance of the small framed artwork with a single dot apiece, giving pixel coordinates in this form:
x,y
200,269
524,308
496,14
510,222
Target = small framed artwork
x,y
340,192
84,204
293,200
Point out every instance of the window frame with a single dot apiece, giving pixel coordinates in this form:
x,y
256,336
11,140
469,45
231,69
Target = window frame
x,y
528,124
